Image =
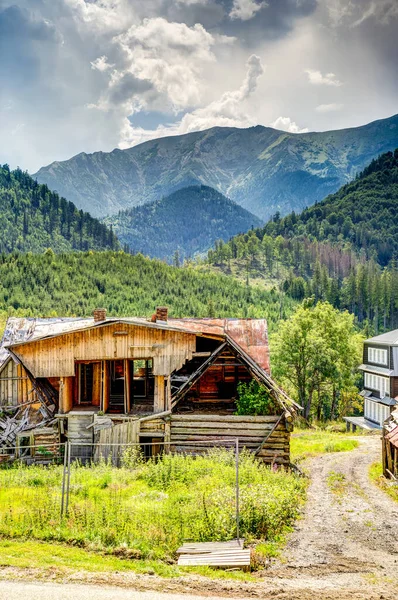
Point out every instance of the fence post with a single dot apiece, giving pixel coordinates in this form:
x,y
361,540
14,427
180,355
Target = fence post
x,y
237,487
63,478
68,479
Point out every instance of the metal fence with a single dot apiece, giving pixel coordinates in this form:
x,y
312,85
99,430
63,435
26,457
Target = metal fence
x,y
71,456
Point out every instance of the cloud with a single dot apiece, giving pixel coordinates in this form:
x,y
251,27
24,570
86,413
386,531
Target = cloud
x,y
229,110
245,9
325,108
101,64
171,56
353,13
286,124
316,78
383,11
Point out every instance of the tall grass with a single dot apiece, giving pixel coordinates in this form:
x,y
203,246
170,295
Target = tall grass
x,y
147,509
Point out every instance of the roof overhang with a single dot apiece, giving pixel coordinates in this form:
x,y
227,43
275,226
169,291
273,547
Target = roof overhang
x,y
376,370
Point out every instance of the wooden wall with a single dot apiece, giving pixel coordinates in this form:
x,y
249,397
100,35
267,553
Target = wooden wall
x,y
15,385
195,434
55,357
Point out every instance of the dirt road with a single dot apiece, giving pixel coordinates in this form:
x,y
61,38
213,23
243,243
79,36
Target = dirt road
x,y
347,540
345,547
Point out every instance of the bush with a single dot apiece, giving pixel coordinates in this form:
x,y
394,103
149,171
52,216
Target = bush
x,y
255,399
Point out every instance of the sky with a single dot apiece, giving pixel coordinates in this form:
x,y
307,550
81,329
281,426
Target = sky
x,y
94,75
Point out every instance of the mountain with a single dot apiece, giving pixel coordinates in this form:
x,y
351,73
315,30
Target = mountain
x,y
189,220
262,169
32,219
363,213
344,249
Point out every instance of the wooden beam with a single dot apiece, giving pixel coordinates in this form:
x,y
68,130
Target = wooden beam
x,y
65,394
160,394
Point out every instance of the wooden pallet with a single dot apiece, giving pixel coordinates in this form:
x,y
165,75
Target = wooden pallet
x,y
215,554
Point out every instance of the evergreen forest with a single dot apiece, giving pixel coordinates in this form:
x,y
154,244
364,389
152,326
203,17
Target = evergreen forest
x,y
33,218
342,250
74,284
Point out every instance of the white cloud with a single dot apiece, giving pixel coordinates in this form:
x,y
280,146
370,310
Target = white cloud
x,y
103,16
171,56
354,12
191,2
230,110
316,78
382,11
286,124
325,108
101,64
245,9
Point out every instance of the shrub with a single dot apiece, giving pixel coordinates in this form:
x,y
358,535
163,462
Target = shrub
x,y
255,399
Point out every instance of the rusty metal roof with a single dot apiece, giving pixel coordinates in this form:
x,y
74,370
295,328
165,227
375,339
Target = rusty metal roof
x,y
250,334
392,429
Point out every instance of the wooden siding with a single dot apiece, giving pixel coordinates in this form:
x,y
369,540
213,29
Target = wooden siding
x,y
195,434
15,385
55,357
394,387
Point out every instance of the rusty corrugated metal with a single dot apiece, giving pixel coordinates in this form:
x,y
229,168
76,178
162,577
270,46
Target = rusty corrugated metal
x,y
250,334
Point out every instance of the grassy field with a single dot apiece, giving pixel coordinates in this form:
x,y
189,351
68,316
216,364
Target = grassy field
x,y
310,442
144,511
376,475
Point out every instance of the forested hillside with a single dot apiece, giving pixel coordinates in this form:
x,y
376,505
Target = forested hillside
x,y
33,218
76,283
319,253
262,169
362,214
182,224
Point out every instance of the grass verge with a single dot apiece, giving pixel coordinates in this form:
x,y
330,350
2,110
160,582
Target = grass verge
x,y
376,475
309,442
63,560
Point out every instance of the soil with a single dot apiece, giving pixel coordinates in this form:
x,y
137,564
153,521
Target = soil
x,y
345,546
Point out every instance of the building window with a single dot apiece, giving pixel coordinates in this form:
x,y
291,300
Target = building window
x,y
376,382
378,355
142,378
86,378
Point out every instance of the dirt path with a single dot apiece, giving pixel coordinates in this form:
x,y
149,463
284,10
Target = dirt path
x,y
347,538
344,548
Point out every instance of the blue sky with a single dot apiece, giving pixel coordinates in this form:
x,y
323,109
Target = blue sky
x,y
88,75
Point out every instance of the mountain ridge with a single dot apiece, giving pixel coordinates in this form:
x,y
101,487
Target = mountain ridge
x,y
189,221
262,169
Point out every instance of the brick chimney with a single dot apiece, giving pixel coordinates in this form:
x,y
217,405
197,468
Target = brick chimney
x,y
162,313
99,315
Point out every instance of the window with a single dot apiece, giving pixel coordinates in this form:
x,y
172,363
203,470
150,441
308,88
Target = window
x,y
378,355
86,377
376,382
142,378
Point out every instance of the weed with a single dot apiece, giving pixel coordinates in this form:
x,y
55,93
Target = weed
x,y
337,482
150,508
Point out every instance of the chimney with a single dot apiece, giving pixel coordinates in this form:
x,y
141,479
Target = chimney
x,y
99,315
162,313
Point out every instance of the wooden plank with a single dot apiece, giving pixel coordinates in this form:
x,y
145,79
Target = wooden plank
x,y
193,547
225,418
217,559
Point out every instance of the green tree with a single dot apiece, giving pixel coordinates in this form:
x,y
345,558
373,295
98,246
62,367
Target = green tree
x,y
315,354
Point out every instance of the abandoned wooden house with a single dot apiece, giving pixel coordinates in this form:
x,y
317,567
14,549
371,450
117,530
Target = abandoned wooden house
x,y
380,373
168,383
